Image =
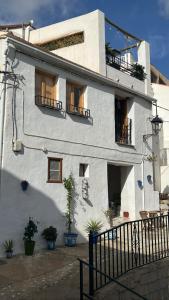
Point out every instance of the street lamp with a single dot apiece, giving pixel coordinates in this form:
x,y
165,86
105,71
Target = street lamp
x,y
157,124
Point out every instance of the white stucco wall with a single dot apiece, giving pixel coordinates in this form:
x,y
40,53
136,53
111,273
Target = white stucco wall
x,y
161,93
76,141
91,53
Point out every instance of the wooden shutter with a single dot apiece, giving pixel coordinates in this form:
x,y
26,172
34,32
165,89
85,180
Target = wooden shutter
x,y
70,96
81,100
45,86
38,84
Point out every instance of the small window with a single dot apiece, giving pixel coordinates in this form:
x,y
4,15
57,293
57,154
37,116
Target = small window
x,y
83,170
54,169
75,98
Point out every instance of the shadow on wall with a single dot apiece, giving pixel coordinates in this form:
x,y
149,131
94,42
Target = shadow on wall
x,y
16,206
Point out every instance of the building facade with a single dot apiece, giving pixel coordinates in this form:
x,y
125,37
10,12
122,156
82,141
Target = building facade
x,y
67,112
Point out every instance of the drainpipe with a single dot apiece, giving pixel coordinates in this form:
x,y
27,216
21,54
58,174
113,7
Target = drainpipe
x,y
143,190
3,100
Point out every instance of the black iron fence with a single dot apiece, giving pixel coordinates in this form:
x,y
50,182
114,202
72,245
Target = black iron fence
x,y
119,63
125,247
77,110
48,102
123,132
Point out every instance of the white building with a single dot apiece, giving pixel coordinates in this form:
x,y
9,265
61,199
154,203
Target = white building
x,y
160,85
66,111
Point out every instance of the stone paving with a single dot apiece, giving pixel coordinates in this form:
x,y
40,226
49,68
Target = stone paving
x,y
54,275
22,276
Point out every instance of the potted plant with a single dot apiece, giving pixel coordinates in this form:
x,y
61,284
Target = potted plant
x,y
94,226
50,235
29,233
69,236
109,214
137,71
112,56
8,246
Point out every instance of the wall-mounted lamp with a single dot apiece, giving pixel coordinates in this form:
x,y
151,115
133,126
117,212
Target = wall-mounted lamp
x,y
157,124
24,185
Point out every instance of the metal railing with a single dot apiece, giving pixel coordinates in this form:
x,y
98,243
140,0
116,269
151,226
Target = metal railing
x,y
80,111
119,63
130,245
84,294
123,132
48,102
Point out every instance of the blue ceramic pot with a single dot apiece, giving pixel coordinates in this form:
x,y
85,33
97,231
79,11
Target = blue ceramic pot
x,y
70,239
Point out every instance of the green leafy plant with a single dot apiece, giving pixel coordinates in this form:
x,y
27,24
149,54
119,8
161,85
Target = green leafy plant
x,y
69,186
30,230
109,214
152,157
94,226
137,71
50,233
8,245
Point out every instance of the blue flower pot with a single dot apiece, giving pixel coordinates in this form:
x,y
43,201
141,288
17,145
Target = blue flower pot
x,y
95,237
51,245
70,239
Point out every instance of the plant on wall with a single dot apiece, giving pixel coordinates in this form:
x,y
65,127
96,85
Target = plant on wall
x,y
152,157
68,184
70,238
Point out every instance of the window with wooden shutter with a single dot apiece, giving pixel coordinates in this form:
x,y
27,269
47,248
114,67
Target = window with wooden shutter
x,y
75,98
122,122
45,88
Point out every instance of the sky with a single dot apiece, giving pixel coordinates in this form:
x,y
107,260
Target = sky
x,y
146,19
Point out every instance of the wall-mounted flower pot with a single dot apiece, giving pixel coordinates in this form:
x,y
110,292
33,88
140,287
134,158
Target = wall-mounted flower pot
x,y
70,239
24,185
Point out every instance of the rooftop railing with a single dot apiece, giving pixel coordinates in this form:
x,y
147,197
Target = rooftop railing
x,y
119,63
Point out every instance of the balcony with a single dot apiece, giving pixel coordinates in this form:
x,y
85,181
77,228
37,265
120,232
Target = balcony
x,y
123,132
48,102
116,60
79,111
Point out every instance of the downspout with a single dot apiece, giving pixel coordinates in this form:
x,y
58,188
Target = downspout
x,y
143,189
3,99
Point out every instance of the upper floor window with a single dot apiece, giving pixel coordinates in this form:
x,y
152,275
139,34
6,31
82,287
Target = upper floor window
x,y
123,125
75,100
45,90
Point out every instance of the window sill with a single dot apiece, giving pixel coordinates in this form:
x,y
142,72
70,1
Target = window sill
x,y
54,181
125,145
78,114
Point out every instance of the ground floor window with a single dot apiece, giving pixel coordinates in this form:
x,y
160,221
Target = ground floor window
x,y
54,170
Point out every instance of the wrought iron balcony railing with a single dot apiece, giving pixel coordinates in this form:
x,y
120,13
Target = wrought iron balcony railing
x,y
80,111
119,63
48,102
123,132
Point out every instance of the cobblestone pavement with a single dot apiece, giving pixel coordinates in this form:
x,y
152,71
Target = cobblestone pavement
x,y
23,277
54,275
